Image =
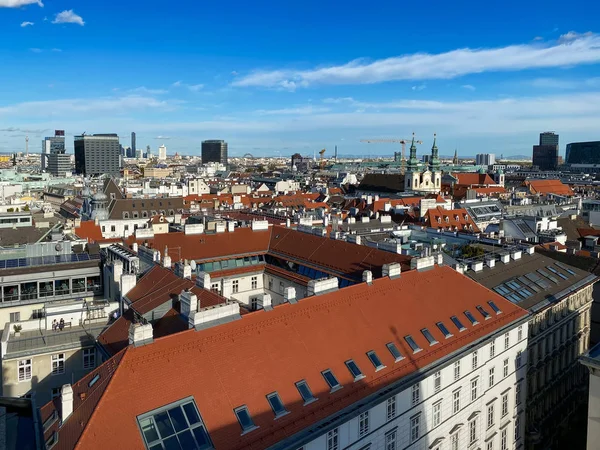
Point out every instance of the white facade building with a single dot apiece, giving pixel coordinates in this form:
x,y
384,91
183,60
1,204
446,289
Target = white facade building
x,y
162,153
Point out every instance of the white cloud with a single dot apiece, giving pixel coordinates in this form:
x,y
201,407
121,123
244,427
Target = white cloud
x,y
36,50
19,3
538,38
556,83
419,87
145,90
68,16
162,138
468,87
26,24
302,110
571,49
191,87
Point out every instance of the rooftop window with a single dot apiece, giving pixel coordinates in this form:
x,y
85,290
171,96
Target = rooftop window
x,y
375,360
243,417
331,380
415,348
444,330
457,323
276,405
177,425
495,307
354,370
395,352
471,318
429,336
483,312
305,392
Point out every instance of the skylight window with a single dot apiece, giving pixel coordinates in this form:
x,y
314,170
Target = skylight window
x,y
375,360
305,392
444,330
457,323
354,370
244,418
415,348
395,352
495,307
276,405
471,318
483,312
177,425
429,336
331,380
563,267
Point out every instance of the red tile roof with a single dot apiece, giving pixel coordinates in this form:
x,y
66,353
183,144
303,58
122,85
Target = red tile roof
x,y
89,230
275,349
544,187
445,219
473,179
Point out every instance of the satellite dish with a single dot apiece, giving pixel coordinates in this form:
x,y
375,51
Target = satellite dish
x,y
58,247
193,265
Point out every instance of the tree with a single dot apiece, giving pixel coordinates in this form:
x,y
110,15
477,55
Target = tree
x,y
470,251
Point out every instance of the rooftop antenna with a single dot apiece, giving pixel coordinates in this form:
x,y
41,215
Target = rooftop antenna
x,y
26,145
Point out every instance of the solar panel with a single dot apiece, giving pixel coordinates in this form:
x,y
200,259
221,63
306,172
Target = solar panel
x,y
46,260
2,264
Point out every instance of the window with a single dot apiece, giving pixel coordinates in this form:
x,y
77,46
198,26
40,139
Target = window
x,y
390,440
490,416
276,405
518,359
395,352
58,364
490,444
506,341
235,286
457,323
254,281
517,428
474,383
214,287
437,381
472,431
491,377
15,316
492,349
415,394
89,358
456,370
474,359
244,418
504,404
414,428
505,368
444,330
518,394
391,408
55,392
483,312
455,402
437,413
177,425
331,380
503,440
471,318
333,440
354,370
305,392
375,360
454,441
520,333
429,336
363,424
113,228
25,370
412,343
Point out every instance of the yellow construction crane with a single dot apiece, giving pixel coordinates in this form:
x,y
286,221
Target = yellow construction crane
x,y
322,161
394,141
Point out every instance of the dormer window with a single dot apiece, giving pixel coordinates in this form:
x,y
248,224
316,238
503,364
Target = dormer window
x,y
439,220
466,217
456,217
447,219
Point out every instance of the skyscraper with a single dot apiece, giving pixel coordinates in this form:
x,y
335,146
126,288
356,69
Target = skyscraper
x,y
133,142
214,151
55,144
545,155
485,159
98,154
548,138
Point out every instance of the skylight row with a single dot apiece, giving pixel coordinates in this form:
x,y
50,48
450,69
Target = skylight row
x,y
279,409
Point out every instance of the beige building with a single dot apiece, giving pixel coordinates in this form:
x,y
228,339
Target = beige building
x,y
591,360
157,172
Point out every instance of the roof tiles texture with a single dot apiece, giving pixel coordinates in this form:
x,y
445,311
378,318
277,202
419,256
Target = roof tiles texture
x,y
451,219
543,187
240,362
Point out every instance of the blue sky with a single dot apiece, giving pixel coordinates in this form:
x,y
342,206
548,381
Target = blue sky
x,y
278,77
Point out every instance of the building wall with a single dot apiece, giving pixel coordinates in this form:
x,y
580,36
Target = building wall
x,y
439,436
197,186
121,228
593,430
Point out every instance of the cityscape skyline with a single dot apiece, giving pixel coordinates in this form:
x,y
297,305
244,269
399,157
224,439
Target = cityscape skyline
x,y
299,81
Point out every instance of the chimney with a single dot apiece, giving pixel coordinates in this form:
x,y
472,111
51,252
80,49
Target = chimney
x,y
392,270
203,280
288,223
183,270
227,288
66,399
188,303
230,226
260,225
490,262
367,277
267,302
505,258
516,254
220,227
317,287
134,247
166,261
477,266
289,295
140,334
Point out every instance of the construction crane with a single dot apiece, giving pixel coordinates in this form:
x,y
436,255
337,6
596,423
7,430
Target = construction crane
x,y
321,160
394,141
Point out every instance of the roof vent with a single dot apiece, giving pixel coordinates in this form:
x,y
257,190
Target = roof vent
x,y
367,277
140,334
322,286
289,295
392,270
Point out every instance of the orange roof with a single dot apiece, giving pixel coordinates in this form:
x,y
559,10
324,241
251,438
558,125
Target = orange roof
x,y
473,179
544,187
271,351
89,230
450,219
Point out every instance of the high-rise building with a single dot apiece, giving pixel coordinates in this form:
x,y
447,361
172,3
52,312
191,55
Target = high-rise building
x,y
214,151
548,138
55,144
162,153
98,154
583,153
485,159
133,147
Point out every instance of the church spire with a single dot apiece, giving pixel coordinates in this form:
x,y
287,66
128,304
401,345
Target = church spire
x,y
412,161
434,162
455,159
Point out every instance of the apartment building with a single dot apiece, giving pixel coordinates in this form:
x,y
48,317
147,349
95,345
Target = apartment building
x,y
379,364
559,298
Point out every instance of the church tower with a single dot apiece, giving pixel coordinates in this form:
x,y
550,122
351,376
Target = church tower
x,y
411,178
434,165
455,159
